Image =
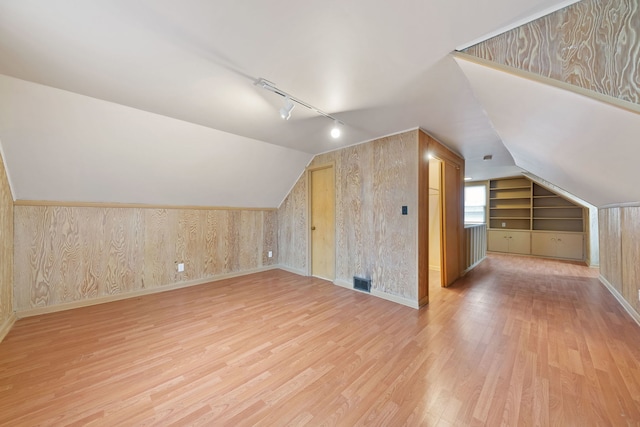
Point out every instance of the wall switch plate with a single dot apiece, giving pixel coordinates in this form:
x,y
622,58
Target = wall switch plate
x,y
270,254
180,267
404,210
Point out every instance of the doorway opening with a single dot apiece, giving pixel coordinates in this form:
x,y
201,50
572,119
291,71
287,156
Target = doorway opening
x,y
435,225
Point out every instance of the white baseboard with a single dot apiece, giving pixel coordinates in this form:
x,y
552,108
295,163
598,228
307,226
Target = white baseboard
x,y
110,298
347,285
623,302
7,325
395,298
292,270
378,294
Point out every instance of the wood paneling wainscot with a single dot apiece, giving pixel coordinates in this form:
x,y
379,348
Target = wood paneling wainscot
x,y
6,253
292,229
373,239
69,256
619,254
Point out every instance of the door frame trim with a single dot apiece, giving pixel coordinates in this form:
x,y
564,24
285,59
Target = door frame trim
x,y
308,171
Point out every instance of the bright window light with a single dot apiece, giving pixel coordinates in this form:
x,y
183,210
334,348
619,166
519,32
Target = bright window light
x,y
475,204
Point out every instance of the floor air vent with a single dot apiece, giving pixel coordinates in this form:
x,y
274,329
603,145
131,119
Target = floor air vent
x,y
361,284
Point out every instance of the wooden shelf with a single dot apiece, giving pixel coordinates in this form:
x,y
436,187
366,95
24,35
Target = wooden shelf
x,y
511,217
519,204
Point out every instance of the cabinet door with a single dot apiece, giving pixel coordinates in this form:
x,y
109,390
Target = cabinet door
x,y
544,244
570,246
520,242
497,241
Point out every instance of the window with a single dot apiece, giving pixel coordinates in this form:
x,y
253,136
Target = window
x,y
475,204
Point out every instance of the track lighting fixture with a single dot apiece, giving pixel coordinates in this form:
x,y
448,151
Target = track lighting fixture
x,y
285,112
289,104
335,132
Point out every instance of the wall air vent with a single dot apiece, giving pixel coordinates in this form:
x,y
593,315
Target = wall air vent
x,y
362,284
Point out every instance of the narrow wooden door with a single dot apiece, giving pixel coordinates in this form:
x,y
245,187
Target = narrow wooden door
x,y
451,223
323,223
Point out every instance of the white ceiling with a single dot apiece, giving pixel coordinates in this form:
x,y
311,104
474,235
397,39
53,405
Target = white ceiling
x,y
587,147
189,66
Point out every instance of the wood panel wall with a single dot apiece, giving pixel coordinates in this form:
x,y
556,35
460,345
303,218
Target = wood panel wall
x,y
373,239
452,191
591,44
67,254
6,252
620,252
292,228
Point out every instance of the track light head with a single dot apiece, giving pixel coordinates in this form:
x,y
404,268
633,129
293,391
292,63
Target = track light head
x,y
335,132
285,112
291,101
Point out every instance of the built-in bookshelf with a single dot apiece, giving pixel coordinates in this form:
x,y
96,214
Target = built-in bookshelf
x,y
510,204
552,212
527,218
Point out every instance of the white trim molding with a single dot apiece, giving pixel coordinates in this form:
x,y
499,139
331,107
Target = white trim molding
x,y
7,325
383,295
110,298
623,302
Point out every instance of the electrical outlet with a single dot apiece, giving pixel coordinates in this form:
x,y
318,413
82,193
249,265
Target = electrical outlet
x,y
180,267
504,224
270,254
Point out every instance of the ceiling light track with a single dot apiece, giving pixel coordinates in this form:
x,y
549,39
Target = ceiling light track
x,y
285,111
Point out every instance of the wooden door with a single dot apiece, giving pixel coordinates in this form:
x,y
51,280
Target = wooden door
x,y
323,223
451,223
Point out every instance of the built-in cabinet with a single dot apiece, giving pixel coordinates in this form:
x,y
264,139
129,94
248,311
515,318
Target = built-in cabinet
x,y
529,219
557,245
516,242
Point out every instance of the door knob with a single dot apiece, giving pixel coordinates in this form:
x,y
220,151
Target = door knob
x,y
313,228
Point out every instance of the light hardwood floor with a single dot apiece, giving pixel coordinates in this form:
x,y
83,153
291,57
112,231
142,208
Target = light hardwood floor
x,y
518,341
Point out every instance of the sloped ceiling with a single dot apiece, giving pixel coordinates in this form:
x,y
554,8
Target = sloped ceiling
x,y
80,149
585,146
153,101
563,94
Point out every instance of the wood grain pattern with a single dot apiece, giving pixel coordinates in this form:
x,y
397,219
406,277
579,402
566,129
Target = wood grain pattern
x,y
373,239
630,260
395,184
57,203
373,181
6,250
452,225
619,252
610,246
591,44
70,254
292,228
425,178
516,342
452,191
